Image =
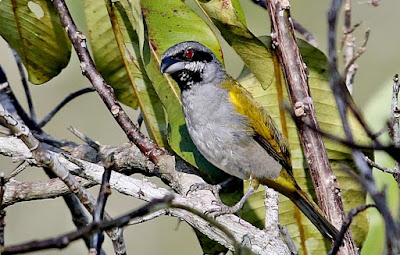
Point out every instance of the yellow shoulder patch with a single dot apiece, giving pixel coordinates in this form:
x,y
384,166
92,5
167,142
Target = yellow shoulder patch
x,y
261,121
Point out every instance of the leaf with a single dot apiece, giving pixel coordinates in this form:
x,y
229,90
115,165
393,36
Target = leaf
x,y
117,55
167,23
229,19
329,120
33,29
106,54
377,114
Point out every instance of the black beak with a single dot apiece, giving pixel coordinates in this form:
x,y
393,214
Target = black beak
x,y
170,65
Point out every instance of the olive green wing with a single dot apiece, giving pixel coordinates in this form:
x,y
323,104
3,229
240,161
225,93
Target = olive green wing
x,y
266,132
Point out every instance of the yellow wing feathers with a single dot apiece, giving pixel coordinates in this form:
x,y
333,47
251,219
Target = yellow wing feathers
x,y
266,131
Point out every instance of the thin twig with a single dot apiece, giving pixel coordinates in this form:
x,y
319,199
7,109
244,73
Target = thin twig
x,y
382,168
374,3
11,103
78,40
350,63
380,132
346,224
51,161
310,38
349,47
85,138
66,100
25,84
64,240
394,123
390,149
288,240
2,212
24,164
367,179
105,191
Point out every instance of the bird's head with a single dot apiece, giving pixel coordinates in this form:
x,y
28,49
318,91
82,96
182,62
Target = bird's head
x,y
191,64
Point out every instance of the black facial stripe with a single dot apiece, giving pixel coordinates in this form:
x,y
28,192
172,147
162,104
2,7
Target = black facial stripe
x,y
200,56
186,78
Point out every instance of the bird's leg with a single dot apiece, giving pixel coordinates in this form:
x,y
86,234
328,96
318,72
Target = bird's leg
x,y
224,209
213,188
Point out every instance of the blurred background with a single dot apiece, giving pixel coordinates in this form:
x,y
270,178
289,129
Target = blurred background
x,y
167,235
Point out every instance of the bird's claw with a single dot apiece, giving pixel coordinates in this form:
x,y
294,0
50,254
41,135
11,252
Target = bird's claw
x,y
221,209
205,186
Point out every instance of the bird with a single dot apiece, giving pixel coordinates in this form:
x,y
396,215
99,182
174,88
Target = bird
x,y
231,130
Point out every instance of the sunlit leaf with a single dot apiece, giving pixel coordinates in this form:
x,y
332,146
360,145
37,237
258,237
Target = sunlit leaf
x,y
33,29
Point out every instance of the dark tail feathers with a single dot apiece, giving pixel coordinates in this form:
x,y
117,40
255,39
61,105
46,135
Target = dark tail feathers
x,y
315,216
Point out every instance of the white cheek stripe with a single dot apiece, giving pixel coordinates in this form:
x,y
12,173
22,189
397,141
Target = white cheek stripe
x,y
195,66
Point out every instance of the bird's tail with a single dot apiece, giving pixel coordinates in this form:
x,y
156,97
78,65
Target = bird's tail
x,y
315,216
289,188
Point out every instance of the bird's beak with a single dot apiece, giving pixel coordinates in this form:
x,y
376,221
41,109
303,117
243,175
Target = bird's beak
x,y
170,65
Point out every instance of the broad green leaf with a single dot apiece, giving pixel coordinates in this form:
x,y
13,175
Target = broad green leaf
x,y
106,54
329,120
229,19
116,51
167,23
33,29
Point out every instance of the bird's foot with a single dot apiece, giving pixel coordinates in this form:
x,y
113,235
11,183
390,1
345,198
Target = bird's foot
x,y
224,209
215,189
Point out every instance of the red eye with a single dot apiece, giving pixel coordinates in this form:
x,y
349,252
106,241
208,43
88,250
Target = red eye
x,y
189,53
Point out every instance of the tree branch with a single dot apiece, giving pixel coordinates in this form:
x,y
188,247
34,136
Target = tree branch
x,y
128,158
104,90
64,240
51,161
296,74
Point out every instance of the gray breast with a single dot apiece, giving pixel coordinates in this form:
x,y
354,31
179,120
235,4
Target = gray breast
x,y
222,136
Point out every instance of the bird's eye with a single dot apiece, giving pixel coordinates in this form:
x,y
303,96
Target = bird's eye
x,y
189,53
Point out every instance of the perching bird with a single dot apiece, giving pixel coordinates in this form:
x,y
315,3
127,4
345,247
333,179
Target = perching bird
x,y
231,130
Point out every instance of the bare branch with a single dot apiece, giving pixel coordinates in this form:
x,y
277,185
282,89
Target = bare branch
x,y
2,212
367,179
346,225
307,34
85,138
65,240
51,161
383,169
78,40
288,240
394,123
105,191
126,158
25,84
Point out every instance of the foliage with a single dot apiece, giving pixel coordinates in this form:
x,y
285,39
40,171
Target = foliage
x,y
127,40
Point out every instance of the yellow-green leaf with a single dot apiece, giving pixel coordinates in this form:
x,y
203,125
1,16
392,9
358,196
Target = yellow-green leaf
x,y
167,23
329,120
229,19
33,29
